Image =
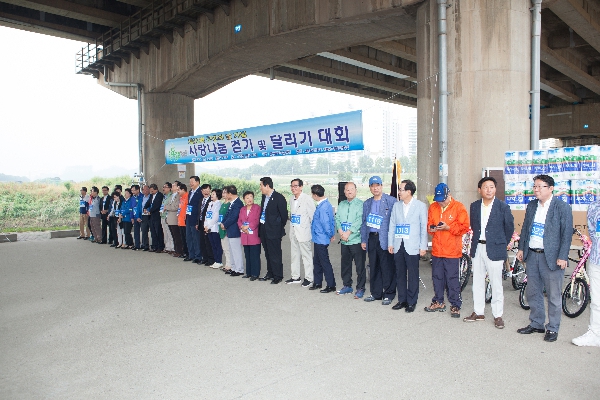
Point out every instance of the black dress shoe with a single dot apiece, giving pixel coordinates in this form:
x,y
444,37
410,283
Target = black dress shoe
x,y
233,273
197,262
187,259
152,251
410,308
113,245
208,263
228,271
328,289
246,276
315,287
276,281
253,278
144,249
551,336
400,305
265,278
530,329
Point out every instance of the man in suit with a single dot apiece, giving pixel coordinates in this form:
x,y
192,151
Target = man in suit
x,y
191,221
302,208
374,239
545,243
407,241
143,218
105,204
272,228
205,247
234,236
493,225
323,232
152,206
348,221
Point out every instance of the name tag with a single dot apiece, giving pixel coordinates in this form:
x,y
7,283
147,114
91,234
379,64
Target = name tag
x,y
250,231
135,212
178,211
209,214
81,203
221,218
117,213
91,207
295,220
262,217
374,221
598,228
188,210
537,230
402,231
162,208
346,226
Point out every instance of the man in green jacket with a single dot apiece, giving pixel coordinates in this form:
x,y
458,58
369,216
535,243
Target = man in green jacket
x,y
348,220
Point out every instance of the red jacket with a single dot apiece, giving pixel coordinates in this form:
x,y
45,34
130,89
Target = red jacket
x,y
253,220
448,244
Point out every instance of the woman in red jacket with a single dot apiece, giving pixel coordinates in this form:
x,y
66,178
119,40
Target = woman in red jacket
x,y
248,222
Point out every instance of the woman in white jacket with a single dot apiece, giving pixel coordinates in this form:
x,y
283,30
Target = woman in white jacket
x,y
211,227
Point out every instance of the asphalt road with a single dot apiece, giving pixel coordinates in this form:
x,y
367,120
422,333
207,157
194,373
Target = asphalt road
x,y
85,321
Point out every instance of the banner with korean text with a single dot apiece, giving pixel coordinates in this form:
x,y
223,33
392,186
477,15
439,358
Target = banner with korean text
x,y
332,133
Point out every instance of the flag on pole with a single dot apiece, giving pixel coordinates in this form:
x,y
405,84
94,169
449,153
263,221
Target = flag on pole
x,y
396,172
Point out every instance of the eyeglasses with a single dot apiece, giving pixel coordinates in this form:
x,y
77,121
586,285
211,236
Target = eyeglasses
x,y
294,186
539,187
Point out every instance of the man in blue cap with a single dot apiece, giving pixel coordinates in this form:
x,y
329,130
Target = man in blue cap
x,y
448,222
374,239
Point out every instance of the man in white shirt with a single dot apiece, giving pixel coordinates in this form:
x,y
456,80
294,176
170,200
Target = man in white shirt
x,y
302,209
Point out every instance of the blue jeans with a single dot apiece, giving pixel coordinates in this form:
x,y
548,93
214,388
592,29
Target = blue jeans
x,y
193,242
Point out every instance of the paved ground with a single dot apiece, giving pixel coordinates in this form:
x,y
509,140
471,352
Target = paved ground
x,y
85,321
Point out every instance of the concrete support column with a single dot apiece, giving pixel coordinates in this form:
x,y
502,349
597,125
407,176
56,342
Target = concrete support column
x,y
488,81
166,116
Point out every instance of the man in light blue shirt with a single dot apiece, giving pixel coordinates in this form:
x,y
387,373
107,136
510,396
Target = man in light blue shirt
x,y
323,232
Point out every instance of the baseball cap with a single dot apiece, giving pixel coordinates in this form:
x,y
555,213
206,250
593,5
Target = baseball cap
x,y
441,192
375,179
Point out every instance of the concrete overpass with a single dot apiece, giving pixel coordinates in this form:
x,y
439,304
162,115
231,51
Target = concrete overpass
x,y
180,50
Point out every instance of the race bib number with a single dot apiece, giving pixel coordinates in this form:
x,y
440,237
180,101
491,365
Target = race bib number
x,y
135,212
117,213
374,221
295,220
221,218
346,226
209,214
81,203
188,210
178,211
162,208
402,231
262,217
598,228
91,207
250,231
537,230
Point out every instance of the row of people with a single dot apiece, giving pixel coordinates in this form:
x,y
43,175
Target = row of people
x,y
393,234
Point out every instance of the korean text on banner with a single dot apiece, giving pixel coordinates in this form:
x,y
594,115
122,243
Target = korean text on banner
x,y
332,133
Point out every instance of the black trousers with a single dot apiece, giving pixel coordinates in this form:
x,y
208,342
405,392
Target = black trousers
x,y
205,247
274,257
407,275
113,238
158,239
127,233
145,229
182,230
176,235
104,229
382,271
353,252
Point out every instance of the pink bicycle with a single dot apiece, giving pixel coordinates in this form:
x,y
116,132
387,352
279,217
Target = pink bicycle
x,y
576,295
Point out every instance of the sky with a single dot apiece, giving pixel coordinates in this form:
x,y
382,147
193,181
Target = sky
x,y
56,123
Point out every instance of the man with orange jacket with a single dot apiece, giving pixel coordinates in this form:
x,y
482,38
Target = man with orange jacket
x,y
448,222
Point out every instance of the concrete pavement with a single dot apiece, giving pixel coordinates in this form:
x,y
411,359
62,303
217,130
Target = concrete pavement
x,y
85,321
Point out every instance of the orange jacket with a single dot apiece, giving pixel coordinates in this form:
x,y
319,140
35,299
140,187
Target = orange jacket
x,y
448,244
183,202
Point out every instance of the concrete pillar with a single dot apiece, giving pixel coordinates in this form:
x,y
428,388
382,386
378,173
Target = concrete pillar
x,y
488,81
166,116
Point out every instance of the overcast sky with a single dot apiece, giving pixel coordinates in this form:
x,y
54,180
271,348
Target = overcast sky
x,y
54,122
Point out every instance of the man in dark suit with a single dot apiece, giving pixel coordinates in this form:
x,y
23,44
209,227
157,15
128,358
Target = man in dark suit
x,y
272,228
493,225
192,214
545,243
105,204
205,247
152,206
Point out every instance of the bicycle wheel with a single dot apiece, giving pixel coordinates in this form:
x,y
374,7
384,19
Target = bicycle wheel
x,y
464,271
574,304
518,274
522,299
488,292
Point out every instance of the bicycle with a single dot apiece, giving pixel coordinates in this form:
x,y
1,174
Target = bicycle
x,y
508,271
576,295
466,264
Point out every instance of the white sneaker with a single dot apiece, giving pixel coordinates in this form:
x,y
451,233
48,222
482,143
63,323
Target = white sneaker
x,y
587,339
216,265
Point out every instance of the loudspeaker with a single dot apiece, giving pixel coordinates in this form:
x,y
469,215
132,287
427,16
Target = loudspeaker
x,y
341,195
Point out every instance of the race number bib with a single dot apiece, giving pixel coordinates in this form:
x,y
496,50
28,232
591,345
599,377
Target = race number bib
x,y
374,221
295,220
537,230
162,208
402,231
209,214
81,203
178,211
262,217
117,213
91,207
221,218
346,226
188,210
250,231
598,228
